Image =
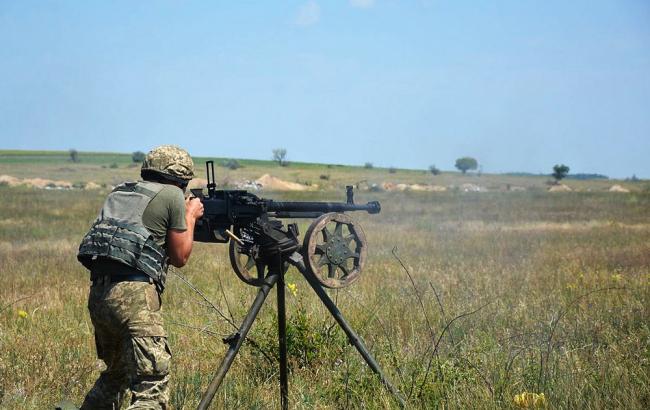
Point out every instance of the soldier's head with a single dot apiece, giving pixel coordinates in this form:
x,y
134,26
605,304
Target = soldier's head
x,y
168,164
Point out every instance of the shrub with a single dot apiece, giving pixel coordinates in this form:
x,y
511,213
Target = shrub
x,y
74,155
368,165
559,172
232,164
325,177
279,156
137,157
434,170
466,163
392,170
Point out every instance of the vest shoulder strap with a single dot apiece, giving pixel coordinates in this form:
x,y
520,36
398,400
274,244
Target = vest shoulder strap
x,y
150,189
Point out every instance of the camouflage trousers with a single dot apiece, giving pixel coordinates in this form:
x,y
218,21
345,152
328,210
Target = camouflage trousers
x,y
130,339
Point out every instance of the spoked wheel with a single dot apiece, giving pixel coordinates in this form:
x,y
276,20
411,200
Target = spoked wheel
x,y
245,262
335,250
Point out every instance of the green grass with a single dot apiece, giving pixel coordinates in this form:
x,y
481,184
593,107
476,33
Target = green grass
x,y
560,286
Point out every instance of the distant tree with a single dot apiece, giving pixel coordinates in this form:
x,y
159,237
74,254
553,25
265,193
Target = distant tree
x,y
279,156
392,170
74,155
466,163
232,164
368,165
434,170
559,172
138,157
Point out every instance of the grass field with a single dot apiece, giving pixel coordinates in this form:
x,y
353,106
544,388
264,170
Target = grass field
x,y
112,168
503,293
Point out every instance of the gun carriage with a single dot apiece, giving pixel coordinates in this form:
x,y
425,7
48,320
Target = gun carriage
x,y
261,249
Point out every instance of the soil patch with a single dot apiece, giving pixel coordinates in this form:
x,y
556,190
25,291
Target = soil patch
x,y
389,186
42,183
618,188
272,183
559,188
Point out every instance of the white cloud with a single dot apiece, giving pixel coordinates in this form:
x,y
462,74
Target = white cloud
x,y
362,4
308,14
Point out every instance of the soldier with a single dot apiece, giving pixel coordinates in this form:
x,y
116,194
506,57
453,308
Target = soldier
x,y
142,227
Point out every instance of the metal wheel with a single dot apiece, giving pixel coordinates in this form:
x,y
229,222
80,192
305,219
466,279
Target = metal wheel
x,y
335,250
245,263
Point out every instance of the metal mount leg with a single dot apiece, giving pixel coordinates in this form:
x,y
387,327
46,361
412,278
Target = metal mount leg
x,y
282,345
355,340
235,341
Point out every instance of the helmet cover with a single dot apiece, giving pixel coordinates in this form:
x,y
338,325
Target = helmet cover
x,y
169,161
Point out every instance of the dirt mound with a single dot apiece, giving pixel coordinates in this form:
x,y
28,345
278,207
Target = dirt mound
x,y
196,183
559,188
46,183
9,180
248,185
389,186
472,188
42,183
618,188
271,183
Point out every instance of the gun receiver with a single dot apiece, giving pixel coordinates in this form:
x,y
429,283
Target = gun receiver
x,y
225,209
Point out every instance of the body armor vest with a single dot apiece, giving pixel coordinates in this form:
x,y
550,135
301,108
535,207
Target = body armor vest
x,y
118,233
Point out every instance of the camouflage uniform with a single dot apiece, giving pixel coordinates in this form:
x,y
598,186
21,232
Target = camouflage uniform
x,y
126,314
130,339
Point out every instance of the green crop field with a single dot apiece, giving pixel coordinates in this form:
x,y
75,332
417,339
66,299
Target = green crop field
x,y
500,294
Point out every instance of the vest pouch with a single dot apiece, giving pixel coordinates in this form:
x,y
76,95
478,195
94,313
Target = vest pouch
x,y
153,261
124,242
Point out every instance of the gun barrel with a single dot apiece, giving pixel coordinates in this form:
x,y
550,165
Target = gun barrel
x,y
372,207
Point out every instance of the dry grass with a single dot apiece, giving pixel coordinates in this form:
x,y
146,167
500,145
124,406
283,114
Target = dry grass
x,y
563,281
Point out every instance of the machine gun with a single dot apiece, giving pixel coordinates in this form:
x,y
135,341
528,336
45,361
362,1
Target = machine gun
x,y
225,208
246,219
332,255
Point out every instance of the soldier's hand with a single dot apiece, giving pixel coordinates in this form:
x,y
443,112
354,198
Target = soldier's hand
x,y
194,207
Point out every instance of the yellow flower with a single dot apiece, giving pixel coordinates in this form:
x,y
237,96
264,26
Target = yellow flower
x,y
22,313
532,400
293,288
617,277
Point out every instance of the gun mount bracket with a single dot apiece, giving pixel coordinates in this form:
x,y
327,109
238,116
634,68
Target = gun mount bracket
x,y
232,339
335,250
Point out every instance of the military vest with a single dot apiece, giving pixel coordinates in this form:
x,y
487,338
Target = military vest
x,y
119,234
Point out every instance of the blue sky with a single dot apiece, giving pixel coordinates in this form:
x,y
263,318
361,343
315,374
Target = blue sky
x,y
520,85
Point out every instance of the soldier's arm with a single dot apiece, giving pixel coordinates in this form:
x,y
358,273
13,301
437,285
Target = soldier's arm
x,y
179,243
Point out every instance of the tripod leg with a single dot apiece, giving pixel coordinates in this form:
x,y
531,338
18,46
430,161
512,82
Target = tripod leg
x,y
236,341
354,339
282,343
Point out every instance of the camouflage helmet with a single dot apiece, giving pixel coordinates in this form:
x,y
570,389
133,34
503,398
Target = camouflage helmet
x,y
170,162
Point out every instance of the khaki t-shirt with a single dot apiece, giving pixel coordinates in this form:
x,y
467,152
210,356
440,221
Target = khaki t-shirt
x,y
165,211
